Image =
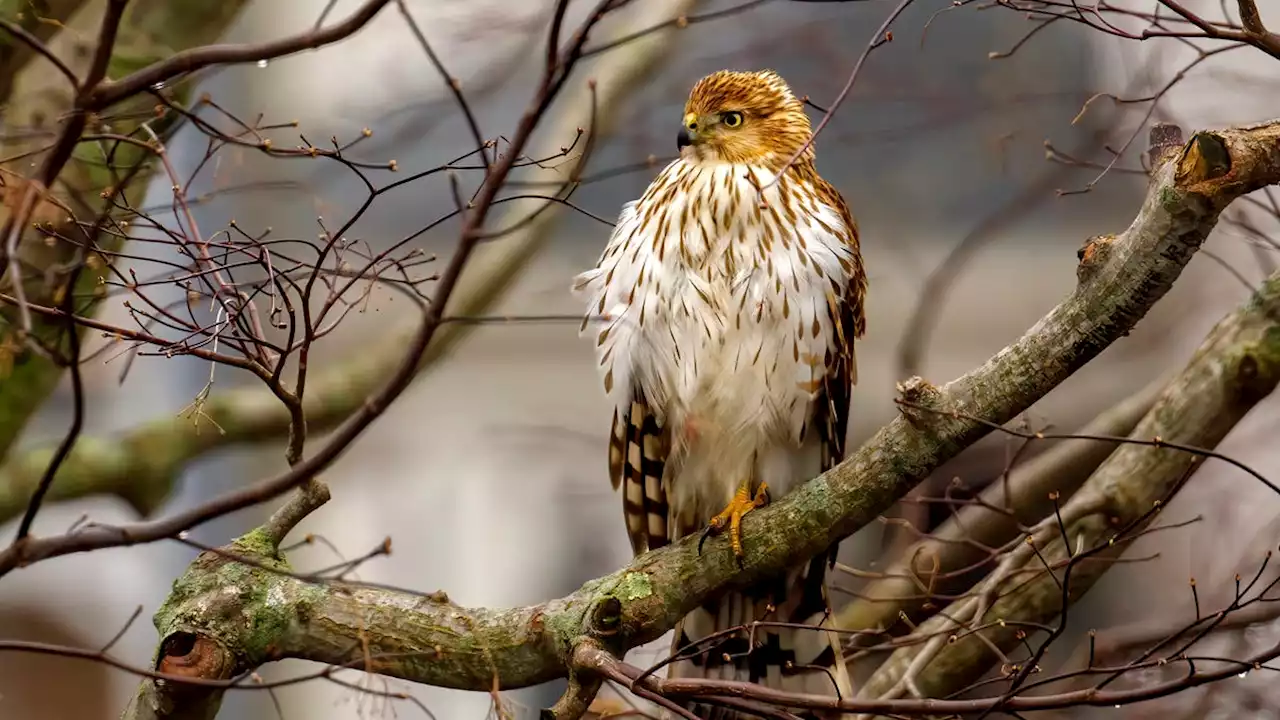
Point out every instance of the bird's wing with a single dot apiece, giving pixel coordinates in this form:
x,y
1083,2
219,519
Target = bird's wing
x,y
849,323
621,287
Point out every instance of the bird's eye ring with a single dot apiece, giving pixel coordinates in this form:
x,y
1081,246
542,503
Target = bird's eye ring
x,y
731,119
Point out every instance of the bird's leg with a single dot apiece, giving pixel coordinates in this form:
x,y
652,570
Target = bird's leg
x,y
731,517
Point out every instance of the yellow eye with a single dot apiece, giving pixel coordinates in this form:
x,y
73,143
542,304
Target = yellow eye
x,y
731,119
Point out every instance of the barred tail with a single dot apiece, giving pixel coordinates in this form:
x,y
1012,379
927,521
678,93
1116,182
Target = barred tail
x,y
784,658
638,450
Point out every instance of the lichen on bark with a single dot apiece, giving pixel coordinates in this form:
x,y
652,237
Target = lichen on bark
x,y
246,607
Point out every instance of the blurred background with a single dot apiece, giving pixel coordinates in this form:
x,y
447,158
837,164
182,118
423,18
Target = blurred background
x,y
489,473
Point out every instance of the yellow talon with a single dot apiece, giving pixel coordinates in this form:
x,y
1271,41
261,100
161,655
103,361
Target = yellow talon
x,y
741,504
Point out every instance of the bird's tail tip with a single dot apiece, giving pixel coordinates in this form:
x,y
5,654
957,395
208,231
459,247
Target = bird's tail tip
x,y
778,639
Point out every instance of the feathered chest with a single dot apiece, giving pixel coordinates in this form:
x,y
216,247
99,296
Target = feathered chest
x,y
718,292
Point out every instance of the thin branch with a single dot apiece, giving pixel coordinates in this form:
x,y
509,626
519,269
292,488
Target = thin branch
x,y
110,92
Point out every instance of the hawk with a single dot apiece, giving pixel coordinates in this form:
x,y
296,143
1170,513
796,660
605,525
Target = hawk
x,y
732,293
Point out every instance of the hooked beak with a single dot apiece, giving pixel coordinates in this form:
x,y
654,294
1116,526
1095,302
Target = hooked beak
x,y
688,134
683,138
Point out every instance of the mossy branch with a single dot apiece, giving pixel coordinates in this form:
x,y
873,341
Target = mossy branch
x,y
428,639
934,560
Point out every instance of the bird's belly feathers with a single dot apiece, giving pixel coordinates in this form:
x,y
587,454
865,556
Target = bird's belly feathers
x,y
730,375
734,377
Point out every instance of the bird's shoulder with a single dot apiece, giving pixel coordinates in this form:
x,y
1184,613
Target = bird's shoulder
x,y
855,271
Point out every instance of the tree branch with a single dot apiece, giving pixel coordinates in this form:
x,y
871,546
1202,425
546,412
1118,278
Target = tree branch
x,y
42,95
196,58
142,465
429,639
905,586
1236,367
40,22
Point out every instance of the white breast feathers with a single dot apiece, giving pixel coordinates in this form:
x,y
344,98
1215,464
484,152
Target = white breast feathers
x,y
717,302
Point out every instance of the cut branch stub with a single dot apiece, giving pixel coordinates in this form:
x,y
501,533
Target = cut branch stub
x,y
184,654
1206,157
1093,254
606,618
1164,140
190,655
238,606
225,616
1220,166
919,402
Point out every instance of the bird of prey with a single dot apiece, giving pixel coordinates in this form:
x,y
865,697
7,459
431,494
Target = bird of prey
x,y
731,293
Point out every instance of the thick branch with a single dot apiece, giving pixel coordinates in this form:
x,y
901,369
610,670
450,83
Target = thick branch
x,y
428,639
142,466
959,542
1236,367
196,58
41,20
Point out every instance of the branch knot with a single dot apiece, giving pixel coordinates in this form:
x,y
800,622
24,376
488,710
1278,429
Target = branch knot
x,y
916,393
1093,254
606,617
1205,158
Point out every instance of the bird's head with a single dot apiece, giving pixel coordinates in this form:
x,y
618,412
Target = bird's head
x,y
743,117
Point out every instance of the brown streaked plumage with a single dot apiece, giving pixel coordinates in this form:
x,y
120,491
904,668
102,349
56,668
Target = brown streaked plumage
x,y
732,305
